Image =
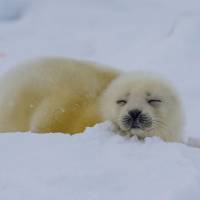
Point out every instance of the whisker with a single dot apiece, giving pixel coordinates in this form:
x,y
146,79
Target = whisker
x,y
157,123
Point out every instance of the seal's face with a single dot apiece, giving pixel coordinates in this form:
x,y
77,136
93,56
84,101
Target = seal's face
x,y
142,106
140,112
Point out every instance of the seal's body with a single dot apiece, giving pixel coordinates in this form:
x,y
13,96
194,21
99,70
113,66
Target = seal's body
x,y
52,95
65,95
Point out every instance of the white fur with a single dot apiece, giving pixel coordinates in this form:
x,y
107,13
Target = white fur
x,y
64,95
134,88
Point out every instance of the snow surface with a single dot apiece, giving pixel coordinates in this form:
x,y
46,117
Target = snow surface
x,y
154,35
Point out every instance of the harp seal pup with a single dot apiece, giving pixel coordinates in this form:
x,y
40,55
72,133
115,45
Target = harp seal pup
x,y
65,95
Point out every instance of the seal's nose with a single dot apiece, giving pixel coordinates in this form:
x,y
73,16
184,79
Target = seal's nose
x,y
135,118
135,114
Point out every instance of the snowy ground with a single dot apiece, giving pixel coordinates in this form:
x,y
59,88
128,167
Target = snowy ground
x,y
158,35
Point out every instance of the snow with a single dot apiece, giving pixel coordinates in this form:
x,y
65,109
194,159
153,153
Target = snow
x,y
96,165
11,10
153,35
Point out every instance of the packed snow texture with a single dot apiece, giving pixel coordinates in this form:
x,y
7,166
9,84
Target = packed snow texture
x,y
153,35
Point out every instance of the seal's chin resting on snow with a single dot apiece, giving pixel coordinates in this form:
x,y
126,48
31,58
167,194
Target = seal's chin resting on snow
x,y
136,123
143,105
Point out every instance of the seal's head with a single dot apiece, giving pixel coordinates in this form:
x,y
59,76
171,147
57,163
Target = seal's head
x,y
143,105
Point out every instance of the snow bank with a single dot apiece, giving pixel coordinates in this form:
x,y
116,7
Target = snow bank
x,y
96,165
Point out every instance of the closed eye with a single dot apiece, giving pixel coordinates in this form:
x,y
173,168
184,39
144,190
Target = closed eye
x,y
121,102
154,102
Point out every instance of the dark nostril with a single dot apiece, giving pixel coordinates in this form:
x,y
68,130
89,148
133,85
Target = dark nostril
x,y
135,113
